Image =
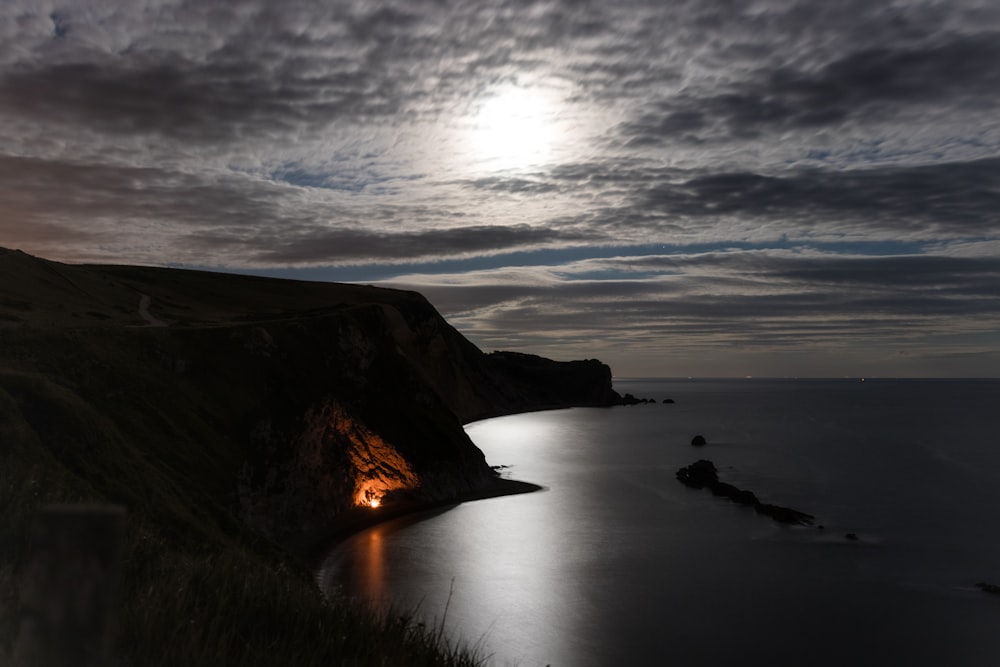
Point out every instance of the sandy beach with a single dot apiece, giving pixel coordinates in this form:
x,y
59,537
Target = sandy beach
x,y
312,546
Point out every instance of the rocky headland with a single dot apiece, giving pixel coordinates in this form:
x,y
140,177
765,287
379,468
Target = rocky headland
x,y
282,406
241,423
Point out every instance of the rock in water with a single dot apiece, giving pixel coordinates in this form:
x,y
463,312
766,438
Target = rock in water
x,y
698,441
741,496
784,514
992,589
703,474
699,474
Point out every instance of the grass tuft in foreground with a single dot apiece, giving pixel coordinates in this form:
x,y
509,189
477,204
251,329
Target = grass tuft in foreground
x,y
233,607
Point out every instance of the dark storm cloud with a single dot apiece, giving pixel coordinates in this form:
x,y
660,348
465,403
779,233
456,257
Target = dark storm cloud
x,y
269,77
875,84
949,199
89,192
901,280
317,246
940,276
243,62
763,300
190,102
221,72
513,185
946,200
264,223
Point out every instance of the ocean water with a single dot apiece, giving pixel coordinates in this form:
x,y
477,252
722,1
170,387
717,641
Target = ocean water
x,y
616,562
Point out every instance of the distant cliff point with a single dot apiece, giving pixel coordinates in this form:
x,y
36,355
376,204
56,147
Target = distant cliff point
x,y
226,401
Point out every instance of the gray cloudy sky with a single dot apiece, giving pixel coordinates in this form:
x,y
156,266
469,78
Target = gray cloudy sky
x,y
705,187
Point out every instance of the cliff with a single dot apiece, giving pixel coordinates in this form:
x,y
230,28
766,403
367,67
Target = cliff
x,y
211,401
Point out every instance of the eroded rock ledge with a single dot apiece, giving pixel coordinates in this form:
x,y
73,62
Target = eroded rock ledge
x,y
985,587
703,474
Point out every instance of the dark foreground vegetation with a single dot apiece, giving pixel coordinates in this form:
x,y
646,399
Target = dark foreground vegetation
x,y
195,596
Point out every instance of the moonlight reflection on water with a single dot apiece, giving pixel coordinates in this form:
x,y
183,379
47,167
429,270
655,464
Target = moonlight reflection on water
x,y
617,562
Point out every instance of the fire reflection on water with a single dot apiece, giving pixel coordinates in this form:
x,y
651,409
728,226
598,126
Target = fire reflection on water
x,y
362,565
373,557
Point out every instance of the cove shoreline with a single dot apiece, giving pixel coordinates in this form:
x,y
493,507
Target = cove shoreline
x,y
312,546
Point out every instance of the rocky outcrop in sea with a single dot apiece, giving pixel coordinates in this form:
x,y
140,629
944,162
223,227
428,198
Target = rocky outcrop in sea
x,y
703,474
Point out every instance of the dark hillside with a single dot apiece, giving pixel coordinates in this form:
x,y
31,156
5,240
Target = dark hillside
x,y
282,402
231,413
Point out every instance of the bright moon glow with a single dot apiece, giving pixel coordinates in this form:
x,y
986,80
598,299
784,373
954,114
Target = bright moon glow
x,y
515,128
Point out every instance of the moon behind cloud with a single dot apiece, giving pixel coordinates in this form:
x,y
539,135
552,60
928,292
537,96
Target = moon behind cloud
x,y
514,128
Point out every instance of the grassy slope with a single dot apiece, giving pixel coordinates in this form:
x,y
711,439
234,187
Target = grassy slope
x,y
199,588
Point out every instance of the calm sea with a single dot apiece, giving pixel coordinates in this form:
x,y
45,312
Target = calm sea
x,y
618,563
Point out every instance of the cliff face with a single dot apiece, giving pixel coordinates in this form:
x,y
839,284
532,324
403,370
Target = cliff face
x,y
475,385
283,403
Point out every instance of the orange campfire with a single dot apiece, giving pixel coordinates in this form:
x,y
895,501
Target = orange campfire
x,y
372,497
378,466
